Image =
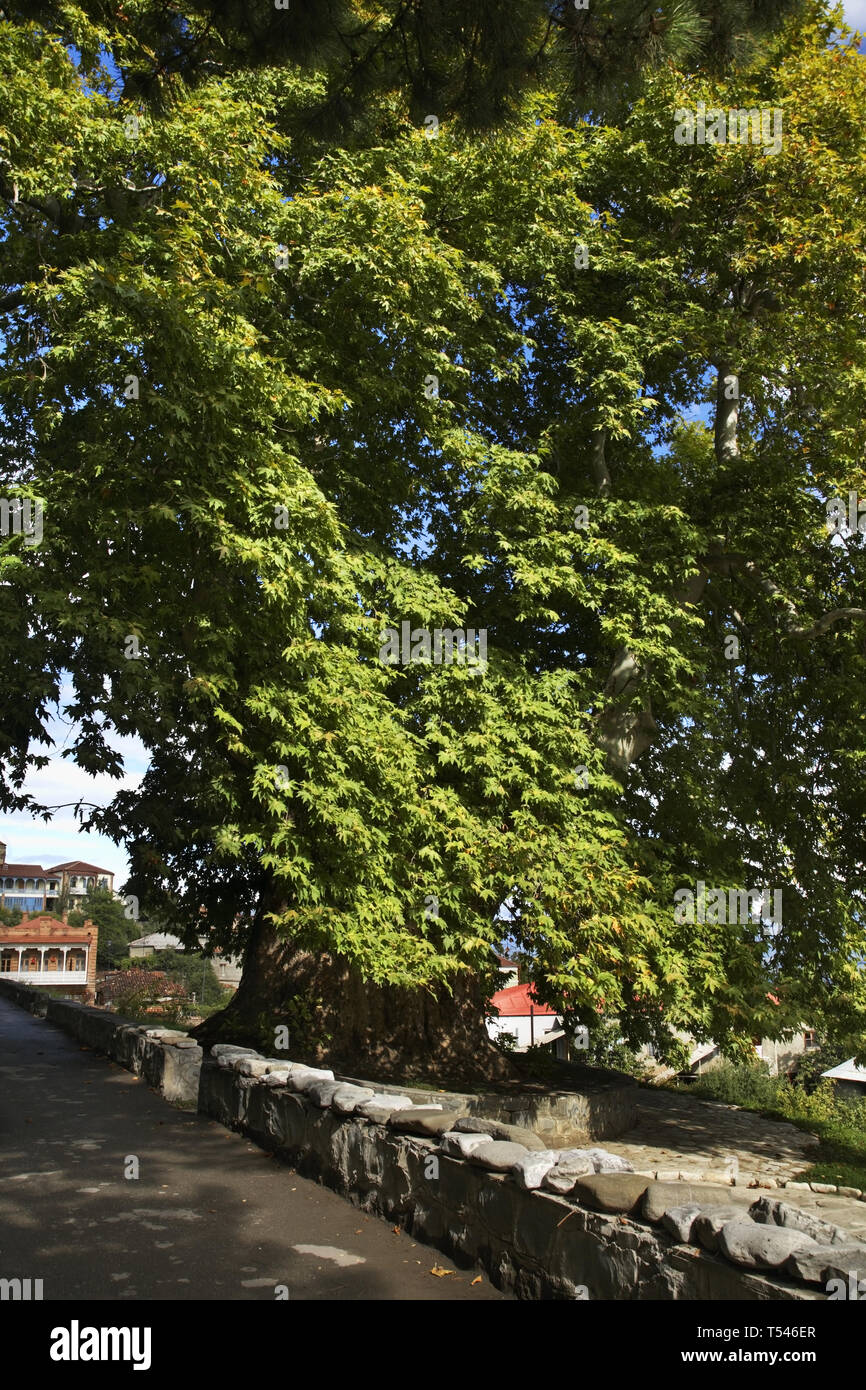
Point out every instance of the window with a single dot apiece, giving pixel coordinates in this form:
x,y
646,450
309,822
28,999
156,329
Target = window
x,y
810,1039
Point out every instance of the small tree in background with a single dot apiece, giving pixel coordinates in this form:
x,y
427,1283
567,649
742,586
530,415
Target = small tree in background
x,y
149,1002
191,970
116,930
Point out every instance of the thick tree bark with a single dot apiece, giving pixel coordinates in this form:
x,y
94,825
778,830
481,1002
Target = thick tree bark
x,y
336,1019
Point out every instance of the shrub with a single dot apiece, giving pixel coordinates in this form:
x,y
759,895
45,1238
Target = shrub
x,y
138,1005
749,1084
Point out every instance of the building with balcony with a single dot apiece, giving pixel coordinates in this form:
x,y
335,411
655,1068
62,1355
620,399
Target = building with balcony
x,y
78,878
30,888
45,952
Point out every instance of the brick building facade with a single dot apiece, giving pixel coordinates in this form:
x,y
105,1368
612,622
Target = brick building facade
x,y
45,952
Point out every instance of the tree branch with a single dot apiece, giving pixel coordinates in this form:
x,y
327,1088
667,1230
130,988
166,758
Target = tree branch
x,y
727,413
791,621
600,470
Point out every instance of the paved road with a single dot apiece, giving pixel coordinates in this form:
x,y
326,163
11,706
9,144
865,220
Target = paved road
x,y
209,1217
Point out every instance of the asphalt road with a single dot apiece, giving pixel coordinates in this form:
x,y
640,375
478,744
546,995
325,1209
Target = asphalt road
x,y
210,1216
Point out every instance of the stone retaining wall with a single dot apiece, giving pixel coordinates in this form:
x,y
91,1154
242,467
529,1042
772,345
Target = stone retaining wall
x,y
609,1234
560,1118
545,1222
167,1059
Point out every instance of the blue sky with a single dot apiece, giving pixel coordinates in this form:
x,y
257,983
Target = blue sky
x,y
37,842
29,841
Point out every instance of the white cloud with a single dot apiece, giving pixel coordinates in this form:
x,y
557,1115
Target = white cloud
x,y
30,841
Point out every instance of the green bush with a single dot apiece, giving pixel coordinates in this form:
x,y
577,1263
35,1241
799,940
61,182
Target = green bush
x,y
193,971
839,1121
607,1048
817,1060
748,1084
136,1003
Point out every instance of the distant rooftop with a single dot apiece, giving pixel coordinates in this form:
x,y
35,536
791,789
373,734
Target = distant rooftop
x,y
846,1071
159,940
77,866
115,983
517,1001
48,928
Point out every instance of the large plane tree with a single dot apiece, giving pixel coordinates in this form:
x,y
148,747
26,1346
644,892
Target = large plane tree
x,y
276,389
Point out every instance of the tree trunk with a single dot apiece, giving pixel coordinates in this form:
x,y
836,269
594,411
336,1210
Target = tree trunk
x,y
727,413
626,733
334,1018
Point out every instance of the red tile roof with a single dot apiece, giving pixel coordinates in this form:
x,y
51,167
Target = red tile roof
x,y
115,983
23,871
515,1002
76,866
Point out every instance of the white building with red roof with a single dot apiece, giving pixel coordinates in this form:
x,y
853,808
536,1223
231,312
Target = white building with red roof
x,y
516,1010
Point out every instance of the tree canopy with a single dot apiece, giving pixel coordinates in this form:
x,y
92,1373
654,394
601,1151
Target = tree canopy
x,y
469,58
565,380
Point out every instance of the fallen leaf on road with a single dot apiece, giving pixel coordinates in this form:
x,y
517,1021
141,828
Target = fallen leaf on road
x,y
395,1229
477,1280
439,1271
